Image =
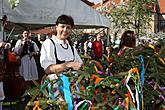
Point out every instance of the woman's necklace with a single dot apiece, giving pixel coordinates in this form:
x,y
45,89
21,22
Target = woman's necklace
x,y
64,47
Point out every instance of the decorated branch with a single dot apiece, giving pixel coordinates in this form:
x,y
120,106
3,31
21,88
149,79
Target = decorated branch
x,y
133,81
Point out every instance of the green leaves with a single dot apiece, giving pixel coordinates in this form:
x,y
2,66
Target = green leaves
x,y
134,14
13,3
107,93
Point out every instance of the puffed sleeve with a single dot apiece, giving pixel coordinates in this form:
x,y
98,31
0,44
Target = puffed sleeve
x,y
17,46
77,57
47,56
36,49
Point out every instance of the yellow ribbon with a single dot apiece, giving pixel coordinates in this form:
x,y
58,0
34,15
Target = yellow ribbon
x,y
151,46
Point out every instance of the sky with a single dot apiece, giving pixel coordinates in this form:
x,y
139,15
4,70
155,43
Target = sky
x,y
95,1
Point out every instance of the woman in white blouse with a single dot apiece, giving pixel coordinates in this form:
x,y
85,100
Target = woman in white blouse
x,y
60,44
57,53
26,49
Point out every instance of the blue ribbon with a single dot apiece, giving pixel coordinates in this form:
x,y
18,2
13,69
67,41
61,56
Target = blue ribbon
x,y
66,89
141,76
77,89
142,69
49,90
116,108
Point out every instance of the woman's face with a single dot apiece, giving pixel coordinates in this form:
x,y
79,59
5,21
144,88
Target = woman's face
x,y
25,35
98,37
63,31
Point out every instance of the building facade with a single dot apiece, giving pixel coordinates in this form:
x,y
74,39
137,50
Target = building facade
x,y
158,23
160,16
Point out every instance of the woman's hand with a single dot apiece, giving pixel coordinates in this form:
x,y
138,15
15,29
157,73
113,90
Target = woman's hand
x,y
33,53
25,40
2,44
56,68
5,45
75,65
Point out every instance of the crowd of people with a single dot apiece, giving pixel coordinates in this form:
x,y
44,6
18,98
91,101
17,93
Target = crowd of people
x,y
3,45
57,54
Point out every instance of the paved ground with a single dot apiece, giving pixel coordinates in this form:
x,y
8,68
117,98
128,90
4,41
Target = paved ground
x,y
15,105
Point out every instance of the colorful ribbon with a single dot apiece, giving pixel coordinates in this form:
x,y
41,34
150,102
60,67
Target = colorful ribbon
x,y
134,74
142,69
48,87
77,89
162,60
141,58
81,102
36,106
66,89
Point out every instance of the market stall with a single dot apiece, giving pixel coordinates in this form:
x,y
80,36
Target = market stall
x,y
34,14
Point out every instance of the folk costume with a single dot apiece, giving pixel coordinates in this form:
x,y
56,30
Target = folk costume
x,y
28,67
56,51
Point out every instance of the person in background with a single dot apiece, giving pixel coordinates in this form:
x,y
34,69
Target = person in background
x,y
3,46
26,49
128,41
108,51
97,48
58,54
88,46
37,42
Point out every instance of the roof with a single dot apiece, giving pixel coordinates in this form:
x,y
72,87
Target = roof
x,y
162,6
30,14
88,2
44,31
105,2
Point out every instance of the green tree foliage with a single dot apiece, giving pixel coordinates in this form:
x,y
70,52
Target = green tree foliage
x,y
132,14
13,3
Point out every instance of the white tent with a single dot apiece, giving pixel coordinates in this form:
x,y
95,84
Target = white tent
x,y
33,14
